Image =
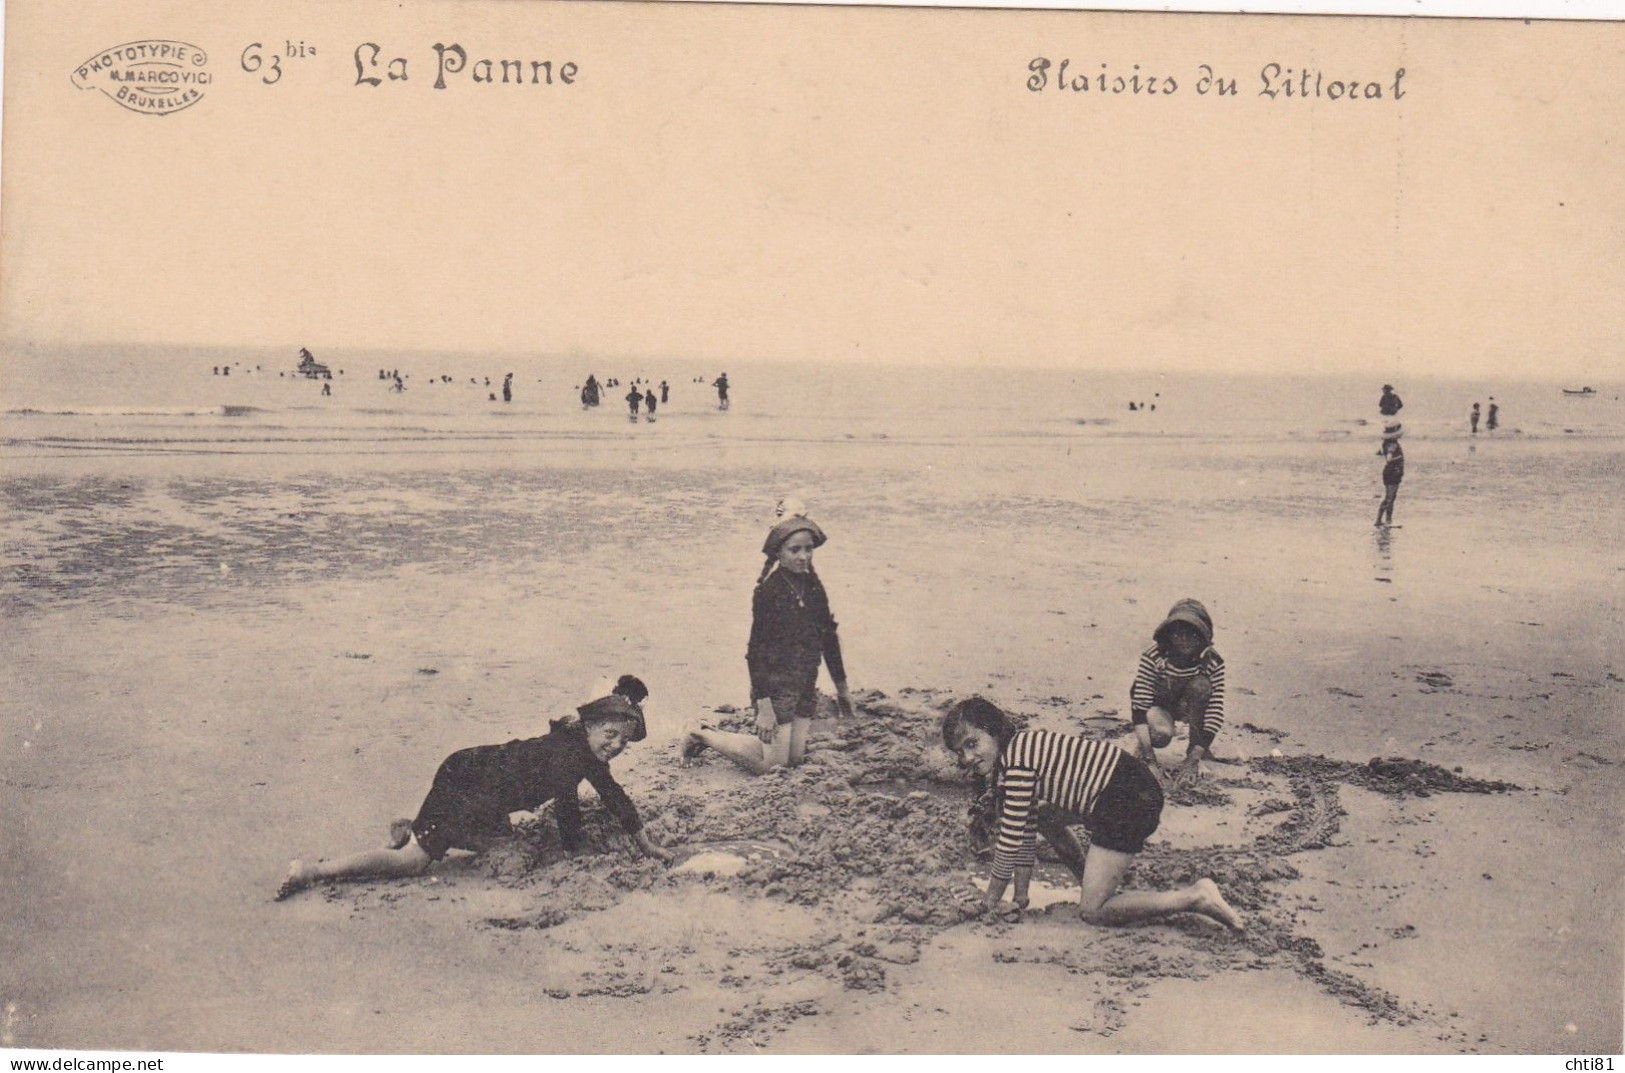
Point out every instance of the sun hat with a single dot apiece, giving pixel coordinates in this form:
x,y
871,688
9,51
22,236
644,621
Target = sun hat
x,y
614,706
1191,613
787,528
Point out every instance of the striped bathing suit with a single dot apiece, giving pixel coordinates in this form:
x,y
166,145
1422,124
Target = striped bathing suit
x,y
1161,684
1058,769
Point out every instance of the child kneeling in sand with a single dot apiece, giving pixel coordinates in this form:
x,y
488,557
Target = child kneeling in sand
x,y
1076,780
791,631
1180,679
475,789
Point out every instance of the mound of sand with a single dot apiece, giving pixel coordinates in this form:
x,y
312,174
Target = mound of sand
x,y
870,841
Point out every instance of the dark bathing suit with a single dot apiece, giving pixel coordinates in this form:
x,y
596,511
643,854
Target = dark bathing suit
x,y
791,629
475,789
1394,471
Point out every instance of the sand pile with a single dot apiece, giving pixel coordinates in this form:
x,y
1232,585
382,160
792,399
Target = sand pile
x,y
1393,775
871,836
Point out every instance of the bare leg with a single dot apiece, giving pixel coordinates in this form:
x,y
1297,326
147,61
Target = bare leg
x,y
1386,510
743,749
410,860
1063,841
747,750
1161,722
1101,903
799,729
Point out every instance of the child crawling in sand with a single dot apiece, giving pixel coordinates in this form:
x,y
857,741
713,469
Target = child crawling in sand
x,y
475,790
1074,781
791,632
1180,679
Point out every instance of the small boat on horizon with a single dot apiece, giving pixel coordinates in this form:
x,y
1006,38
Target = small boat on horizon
x,y
312,369
1587,390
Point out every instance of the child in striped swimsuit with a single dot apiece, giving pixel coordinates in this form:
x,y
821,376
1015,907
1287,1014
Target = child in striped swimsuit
x,y
1094,783
1180,679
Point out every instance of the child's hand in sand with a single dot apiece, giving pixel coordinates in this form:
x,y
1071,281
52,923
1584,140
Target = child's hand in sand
x,y
843,701
1157,772
767,721
1189,771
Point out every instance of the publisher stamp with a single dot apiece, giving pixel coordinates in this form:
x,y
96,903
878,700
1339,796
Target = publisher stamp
x,y
153,77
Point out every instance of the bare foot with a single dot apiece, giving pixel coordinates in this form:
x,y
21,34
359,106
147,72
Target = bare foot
x,y
693,746
1211,903
400,833
299,877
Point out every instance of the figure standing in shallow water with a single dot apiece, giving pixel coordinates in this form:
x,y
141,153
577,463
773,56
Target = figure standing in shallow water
x,y
1494,419
1472,419
721,384
1077,781
1393,471
792,631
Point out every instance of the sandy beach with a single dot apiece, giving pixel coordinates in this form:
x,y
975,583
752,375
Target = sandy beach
x,y
220,661
1052,318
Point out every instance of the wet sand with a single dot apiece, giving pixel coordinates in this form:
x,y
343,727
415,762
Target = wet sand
x,y
221,662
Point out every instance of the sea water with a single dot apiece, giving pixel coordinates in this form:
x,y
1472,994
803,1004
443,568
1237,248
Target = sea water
x,y
126,399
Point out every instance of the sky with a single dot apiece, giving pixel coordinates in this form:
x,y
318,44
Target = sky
x,y
831,185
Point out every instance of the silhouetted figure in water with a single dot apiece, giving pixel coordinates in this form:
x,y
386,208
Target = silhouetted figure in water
x,y
1389,404
721,384
507,388
664,393
649,402
633,399
1472,418
327,389
1493,421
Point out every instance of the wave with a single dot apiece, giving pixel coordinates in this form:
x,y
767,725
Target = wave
x,y
221,410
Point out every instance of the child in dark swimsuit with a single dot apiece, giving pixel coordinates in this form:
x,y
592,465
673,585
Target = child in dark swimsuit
x,y
1074,780
791,633
475,789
